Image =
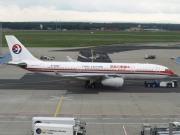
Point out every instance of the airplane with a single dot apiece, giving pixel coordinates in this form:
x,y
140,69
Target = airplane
x,y
71,60
110,74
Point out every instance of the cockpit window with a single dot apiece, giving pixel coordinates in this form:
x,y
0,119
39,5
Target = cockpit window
x,y
166,69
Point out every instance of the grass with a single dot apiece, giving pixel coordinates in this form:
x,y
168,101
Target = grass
x,y
85,38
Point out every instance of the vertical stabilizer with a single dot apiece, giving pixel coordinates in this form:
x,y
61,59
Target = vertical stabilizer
x,y
17,50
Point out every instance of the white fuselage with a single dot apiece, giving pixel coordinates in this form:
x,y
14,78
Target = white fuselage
x,y
110,74
87,69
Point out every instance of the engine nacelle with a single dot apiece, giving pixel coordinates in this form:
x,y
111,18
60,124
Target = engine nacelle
x,y
113,82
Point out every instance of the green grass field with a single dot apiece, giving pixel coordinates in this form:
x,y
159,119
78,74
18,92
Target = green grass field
x,y
86,38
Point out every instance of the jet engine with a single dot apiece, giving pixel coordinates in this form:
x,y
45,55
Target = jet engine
x,y
113,82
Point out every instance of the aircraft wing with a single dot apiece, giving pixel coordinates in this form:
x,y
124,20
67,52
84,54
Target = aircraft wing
x,y
88,75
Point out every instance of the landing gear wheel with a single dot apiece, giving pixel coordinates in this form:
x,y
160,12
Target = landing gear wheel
x,y
87,84
148,85
169,85
93,85
153,85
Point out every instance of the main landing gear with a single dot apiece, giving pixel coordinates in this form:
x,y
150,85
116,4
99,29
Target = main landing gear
x,y
90,84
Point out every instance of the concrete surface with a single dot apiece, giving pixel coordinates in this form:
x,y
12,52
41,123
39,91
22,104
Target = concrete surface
x,y
105,110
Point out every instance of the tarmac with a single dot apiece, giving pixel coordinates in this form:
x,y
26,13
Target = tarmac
x,y
106,110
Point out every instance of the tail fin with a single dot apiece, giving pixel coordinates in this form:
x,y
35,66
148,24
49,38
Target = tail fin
x,y
17,50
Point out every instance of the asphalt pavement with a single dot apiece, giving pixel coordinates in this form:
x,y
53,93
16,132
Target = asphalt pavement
x,y
106,110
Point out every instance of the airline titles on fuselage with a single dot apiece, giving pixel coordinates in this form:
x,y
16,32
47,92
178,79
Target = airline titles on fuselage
x,y
119,66
84,66
95,67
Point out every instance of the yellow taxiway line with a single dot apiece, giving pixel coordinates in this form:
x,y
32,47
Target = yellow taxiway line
x,y
59,105
92,55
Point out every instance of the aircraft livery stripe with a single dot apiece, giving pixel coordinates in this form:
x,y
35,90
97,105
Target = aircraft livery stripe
x,y
100,71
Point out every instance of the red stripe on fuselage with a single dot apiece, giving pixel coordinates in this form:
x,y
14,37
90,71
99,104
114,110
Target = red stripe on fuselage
x,y
86,70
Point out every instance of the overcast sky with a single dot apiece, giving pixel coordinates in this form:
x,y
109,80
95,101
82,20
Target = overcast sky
x,y
163,11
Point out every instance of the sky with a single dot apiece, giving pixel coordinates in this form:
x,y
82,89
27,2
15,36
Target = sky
x,y
146,11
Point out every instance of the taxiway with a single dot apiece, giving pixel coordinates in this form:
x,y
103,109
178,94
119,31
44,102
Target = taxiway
x,y
106,110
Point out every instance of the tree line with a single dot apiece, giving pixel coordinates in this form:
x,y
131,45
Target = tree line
x,y
85,26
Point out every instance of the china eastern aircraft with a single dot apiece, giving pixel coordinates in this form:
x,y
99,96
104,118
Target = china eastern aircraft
x,y
110,74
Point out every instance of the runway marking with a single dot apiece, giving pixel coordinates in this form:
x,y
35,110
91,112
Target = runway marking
x,y
65,97
128,118
14,121
92,118
59,105
87,114
134,126
88,118
92,55
29,82
124,130
92,123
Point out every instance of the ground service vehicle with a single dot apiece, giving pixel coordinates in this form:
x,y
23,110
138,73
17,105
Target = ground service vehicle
x,y
148,129
169,84
145,129
46,58
150,56
55,129
79,126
